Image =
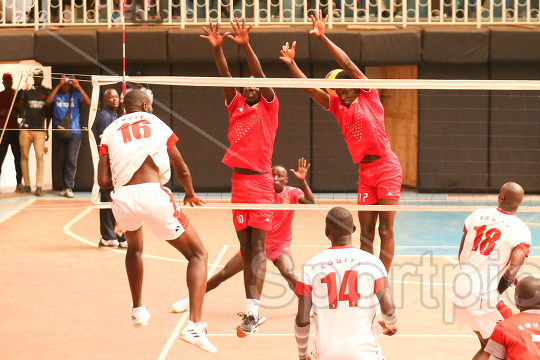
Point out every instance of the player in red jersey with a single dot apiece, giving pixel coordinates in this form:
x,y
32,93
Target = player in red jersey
x,y
135,156
344,285
495,244
360,115
518,337
253,122
278,241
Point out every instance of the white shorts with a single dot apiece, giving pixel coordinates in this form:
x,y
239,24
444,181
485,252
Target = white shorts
x,y
482,320
151,203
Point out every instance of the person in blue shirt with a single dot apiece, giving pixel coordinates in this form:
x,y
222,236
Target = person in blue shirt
x,y
106,116
67,150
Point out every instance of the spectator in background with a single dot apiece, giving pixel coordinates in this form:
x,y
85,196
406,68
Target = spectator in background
x,y
106,218
68,94
11,135
36,120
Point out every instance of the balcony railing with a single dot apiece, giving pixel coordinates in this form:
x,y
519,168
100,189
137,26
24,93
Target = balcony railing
x,y
189,13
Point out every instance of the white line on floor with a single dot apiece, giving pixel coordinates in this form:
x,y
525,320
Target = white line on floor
x,y
19,208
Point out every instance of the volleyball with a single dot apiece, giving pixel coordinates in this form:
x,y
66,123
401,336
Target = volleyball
x,y
332,75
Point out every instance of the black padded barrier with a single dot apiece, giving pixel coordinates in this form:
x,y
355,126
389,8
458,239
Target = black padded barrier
x,y
66,47
515,45
142,45
515,129
453,129
403,47
268,44
16,45
187,46
348,41
455,46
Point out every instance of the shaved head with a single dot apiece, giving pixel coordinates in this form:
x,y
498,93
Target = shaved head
x,y
339,224
510,197
528,293
137,100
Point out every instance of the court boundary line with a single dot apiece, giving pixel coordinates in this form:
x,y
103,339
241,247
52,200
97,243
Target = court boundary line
x,y
184,317
18,209
397,335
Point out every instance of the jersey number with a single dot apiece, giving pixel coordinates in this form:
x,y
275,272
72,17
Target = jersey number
x,y
140,129
487,245
350,279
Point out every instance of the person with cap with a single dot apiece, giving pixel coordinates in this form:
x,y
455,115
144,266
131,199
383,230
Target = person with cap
x,y
34,129
10,134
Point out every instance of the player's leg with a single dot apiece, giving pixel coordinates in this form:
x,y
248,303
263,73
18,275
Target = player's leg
x,y
368,221
285,265
481,354
386,233
134,265
231,268
191,246
252,243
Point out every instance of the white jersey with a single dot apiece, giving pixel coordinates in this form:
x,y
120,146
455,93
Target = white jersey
x,y
342,282
492,234
129,140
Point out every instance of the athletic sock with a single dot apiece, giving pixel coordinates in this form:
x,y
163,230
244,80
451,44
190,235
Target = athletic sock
x,y
253,306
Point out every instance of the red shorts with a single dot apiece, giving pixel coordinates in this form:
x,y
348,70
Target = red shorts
x,y
252,189
380,179
272,253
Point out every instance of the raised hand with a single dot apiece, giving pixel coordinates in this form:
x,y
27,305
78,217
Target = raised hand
x,y
318,24
213,36
301,173
387,331
287,54
241,33
193,200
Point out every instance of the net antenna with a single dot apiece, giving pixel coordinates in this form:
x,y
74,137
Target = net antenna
x,y
288,83
124,88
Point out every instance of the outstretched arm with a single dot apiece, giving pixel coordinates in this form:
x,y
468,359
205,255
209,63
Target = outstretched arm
x,y
184,176
216,40
242,38
339,55
301,174
287,56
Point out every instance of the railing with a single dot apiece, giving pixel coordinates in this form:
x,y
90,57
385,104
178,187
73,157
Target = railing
x,y
186,13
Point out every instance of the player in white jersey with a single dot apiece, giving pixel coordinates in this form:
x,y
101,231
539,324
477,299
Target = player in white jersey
x,y
134,158
344,284
495,244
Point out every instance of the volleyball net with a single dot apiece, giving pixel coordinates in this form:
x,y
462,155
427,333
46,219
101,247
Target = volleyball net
x,y
458,141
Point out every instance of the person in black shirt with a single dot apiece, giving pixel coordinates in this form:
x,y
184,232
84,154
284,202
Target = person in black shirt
x,y
36,120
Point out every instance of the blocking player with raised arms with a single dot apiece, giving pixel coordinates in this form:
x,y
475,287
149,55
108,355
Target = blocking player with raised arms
x,y
341,283
360,115
135,156
253,122
278,241
518,337
494,245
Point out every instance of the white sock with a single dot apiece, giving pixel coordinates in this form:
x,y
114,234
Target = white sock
x,y
253,306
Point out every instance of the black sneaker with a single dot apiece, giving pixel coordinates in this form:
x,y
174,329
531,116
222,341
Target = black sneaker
x,y
39,192
250,324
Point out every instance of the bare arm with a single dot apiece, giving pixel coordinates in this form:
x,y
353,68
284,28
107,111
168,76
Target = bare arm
x,y
104,172
337,53
51,96
287,56
301,174
184,176
388,309
517,258
461,245
85,99
216,40
242,38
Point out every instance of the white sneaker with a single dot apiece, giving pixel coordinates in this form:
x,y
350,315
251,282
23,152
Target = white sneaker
x,y
63,192
195,334
107,243
140,316
69,193
181,305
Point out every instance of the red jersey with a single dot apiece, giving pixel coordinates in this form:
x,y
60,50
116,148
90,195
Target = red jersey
x,y
362,124
517,338
252,130
5,103
282,219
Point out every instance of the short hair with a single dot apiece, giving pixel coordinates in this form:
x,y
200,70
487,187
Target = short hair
x,y
279,165
135,98
342,75
339,222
